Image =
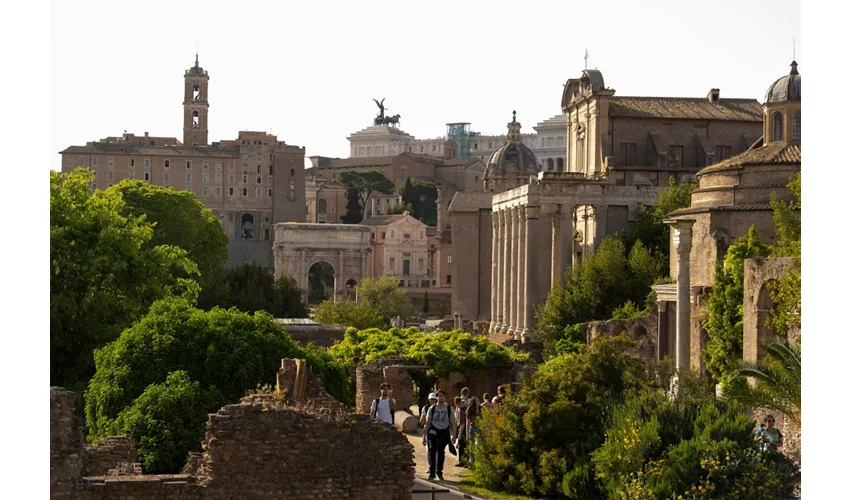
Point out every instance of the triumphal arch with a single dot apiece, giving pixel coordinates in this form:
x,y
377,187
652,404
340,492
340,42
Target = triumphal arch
x,y
301,249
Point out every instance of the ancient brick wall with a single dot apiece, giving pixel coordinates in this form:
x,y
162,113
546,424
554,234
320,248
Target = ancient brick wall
x,y
66,444
644,331
114,455
369,379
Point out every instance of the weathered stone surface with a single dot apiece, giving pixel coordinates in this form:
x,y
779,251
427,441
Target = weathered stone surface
x,y
406,422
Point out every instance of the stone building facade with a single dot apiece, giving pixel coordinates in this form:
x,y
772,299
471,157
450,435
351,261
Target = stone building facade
x,y
250,183
400,249
732,196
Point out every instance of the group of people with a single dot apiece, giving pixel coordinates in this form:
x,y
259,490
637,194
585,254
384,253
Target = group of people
x,y
455,426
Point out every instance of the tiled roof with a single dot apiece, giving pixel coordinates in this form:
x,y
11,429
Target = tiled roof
x,y
774,153
381,220
685,108
732,208
471,202
107,148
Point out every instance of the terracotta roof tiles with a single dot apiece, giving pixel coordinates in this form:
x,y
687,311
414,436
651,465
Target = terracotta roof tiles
x,y
471,202
686,108
773,153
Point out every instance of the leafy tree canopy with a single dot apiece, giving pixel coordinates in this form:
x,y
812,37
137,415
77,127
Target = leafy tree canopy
x,y
178,219
787,293
366,183
421,197
104,272
250,288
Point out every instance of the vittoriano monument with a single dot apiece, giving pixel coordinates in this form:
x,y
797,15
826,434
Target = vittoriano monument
x,y
385,120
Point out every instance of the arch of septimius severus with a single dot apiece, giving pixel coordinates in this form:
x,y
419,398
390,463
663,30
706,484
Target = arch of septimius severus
x,y
533,230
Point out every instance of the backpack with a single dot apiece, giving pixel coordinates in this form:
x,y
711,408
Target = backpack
x,y
430,414
392,410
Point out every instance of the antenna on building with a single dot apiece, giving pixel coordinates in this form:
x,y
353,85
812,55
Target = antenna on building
x,y
794,50
586,55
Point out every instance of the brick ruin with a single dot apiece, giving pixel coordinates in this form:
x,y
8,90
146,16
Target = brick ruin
x,y
261,447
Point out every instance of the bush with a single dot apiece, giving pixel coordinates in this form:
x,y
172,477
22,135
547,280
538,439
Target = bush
x,y
629,312
224,351
168,421
360,315
250,288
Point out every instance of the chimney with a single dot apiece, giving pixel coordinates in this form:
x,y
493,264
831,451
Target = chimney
x,y
146,134
714,96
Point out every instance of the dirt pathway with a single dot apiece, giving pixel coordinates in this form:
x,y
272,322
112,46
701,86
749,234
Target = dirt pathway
x,y
451,473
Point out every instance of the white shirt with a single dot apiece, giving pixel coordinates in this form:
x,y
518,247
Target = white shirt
x,y
382,412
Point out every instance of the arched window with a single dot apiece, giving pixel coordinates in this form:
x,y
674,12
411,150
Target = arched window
x,y
560,164
323,206
550,164
777,126
795,131
403,174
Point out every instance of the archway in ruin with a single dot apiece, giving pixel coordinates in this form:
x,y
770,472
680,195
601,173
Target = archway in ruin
x,y
320,282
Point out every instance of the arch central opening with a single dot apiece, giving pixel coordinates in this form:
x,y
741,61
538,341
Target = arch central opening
x,y
321,283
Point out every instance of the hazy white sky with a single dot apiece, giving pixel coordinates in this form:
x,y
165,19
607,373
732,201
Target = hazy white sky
x,y
307,71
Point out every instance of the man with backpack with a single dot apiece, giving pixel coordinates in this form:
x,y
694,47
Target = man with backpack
x,y
440,429
383,408
461,404
423,413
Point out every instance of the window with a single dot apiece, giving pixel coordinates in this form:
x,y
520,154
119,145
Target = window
x,y
218,179
383,235
722,152
94,158
448,279
188,163
229,191
674,156
292,184
147,163
231,178
628,153
449,259
620,178
271,170
259,179
405,266
244,178
110,175
292,196
188,177
421,234
147,176
205,178
560,164
795,132
131,175
110,162
166,177
489,145
167,164
206,191
421,264
270,193
206,165
132,162
257,192
476,178
292,172
231,165
653,178
392,263
244,191
777,126
550,164
218,165
270,180
259,169
475,146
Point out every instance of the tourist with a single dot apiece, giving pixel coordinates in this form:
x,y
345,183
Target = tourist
x,y
472,414
440,429
460,409
486,401
383,408
432,400
502,392
769,436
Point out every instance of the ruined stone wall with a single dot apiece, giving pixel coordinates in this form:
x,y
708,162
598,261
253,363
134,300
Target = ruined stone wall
x,y
66,444
757,274
480,382
644,331
113,455
369,379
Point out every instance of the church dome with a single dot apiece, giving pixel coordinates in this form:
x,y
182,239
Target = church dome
x,y
786,88
513,158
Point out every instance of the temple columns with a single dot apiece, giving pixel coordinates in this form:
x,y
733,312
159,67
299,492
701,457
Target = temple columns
x,y
495,316
522,260
682,236
529,273
512,271
505,271
562,243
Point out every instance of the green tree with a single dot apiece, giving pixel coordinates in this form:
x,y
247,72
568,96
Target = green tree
x,y
250,288
353,209
104,273
361,315
787,292
778,380
178,219
365,183
425,307
421,197
386,296
725,323
226,352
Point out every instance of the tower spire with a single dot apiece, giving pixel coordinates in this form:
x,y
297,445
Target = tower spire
x,y
196,59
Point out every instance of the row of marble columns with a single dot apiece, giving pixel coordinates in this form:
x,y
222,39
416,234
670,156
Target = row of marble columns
x,y
517,287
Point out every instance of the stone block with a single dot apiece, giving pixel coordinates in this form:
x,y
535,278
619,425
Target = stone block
x,y
405,422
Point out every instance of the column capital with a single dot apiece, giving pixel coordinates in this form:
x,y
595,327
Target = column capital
x,y
682,234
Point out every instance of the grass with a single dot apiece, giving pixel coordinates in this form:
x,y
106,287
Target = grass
x,y
470,487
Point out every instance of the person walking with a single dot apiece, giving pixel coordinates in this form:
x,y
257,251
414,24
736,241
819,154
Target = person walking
x,y
487,401
472,414
460,410
440,428
501,393
769,436
423,413
383,408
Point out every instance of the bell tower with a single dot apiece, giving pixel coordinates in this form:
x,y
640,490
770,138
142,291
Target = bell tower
x,y
195,106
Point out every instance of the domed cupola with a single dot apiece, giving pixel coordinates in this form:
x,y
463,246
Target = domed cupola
x,y
511,164
782,121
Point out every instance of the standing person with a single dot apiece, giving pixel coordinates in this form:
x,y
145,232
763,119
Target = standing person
x,y
423,413
460,411
472,414
487,401
383,408
502,392
440,428
770,436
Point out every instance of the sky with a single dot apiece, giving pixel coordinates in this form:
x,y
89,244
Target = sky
x,y
308,71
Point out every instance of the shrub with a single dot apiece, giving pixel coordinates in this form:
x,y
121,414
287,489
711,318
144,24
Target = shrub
x,y
360,315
